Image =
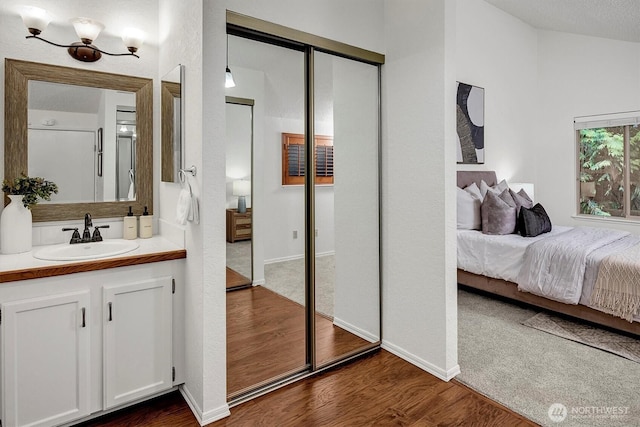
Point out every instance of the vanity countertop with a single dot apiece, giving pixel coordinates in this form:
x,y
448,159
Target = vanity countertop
x,y
24,266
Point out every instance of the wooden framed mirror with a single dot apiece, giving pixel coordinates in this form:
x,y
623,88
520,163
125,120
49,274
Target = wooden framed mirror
x,y
18,74
172,101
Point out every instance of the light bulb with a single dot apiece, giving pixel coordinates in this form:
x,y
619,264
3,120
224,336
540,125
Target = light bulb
x,y
228,80
87,29
35,19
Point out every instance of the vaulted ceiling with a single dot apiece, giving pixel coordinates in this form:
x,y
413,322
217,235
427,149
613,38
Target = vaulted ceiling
x,y
613,19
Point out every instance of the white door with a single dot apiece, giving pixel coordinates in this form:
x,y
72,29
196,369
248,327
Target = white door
x,y
45,360
137,340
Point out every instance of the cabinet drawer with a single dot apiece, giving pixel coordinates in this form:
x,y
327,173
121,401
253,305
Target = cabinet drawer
x,y
242,221
243,232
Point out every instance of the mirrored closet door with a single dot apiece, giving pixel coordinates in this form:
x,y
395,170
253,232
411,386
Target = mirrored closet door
x,y
265,322
347,264
315,294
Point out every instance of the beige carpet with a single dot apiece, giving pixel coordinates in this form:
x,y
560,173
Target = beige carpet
x,y
621,345
287,279
530,371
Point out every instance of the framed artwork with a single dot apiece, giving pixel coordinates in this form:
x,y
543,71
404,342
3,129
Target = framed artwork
x,y
470,124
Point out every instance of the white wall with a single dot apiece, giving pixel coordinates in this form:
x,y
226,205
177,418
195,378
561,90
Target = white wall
x,y
578,76
498,52
184,37
419,246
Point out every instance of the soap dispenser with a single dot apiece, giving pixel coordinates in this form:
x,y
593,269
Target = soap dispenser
x,y
130,226
146,224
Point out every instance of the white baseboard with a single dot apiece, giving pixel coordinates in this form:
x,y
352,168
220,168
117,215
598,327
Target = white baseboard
x,y
365,335
444,375
207,417
295,257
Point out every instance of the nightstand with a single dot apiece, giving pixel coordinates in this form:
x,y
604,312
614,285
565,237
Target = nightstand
x,y
238,225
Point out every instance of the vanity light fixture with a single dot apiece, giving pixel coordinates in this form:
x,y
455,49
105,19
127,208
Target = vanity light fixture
x,y
228,79
36,20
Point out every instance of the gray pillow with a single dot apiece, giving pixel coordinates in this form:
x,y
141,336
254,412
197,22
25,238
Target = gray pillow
x,y
498,213
520,200
497,189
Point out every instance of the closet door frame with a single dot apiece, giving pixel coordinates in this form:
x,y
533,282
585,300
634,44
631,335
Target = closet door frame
x,y
267,32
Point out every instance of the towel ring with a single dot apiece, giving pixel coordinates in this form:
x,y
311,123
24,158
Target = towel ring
x,y
192,170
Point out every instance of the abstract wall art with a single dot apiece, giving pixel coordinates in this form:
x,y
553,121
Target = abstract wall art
x,y
470,124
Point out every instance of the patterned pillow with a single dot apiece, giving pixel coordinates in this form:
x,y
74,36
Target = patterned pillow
x,y
498,213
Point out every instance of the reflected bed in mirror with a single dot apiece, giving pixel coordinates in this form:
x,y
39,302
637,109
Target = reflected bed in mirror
x,y
130,178
172,124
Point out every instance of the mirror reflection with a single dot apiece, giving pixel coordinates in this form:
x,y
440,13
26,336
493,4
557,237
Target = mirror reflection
x,y
18,75
239,113
172,119
91,129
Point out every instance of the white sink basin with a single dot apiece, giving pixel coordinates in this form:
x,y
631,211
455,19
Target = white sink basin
x,y
80,251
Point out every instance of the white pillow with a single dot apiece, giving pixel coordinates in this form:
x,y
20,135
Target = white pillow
x,y
474,190
468,209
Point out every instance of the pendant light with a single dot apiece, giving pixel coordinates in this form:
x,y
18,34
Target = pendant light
x,y
228,80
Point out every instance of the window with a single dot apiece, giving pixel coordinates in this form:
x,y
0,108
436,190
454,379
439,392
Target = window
x,y
609,165
293,160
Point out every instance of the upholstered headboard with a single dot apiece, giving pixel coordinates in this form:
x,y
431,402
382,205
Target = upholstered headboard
x,y
468,177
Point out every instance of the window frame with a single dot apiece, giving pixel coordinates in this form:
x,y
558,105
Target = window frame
x,y
299,140
626,121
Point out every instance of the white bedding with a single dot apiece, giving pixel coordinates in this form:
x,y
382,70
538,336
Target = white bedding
x,y
496,256
554,267
501,257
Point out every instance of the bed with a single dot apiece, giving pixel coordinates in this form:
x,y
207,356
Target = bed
x,y
502,278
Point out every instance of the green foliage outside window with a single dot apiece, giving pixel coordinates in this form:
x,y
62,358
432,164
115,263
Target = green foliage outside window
x,y
602,161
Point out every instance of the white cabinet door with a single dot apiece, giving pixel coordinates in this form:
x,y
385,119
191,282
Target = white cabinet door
x,y
46,360
137,340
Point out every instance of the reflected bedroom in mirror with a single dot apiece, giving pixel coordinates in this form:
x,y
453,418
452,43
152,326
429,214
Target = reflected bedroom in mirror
x,y
239,114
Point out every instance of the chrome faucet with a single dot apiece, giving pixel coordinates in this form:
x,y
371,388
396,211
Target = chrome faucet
x,y
86,234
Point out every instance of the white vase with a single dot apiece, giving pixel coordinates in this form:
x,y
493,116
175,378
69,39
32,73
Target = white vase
x,y
15,227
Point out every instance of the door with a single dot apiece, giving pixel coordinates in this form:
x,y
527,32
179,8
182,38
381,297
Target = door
x,y
46,360
347,218
137,340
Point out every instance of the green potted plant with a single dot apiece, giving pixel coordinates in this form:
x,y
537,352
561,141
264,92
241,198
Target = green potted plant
x,y
30,189
15,222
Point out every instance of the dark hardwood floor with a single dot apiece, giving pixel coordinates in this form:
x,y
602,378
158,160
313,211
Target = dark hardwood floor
x,y
266,338
380,389
236,280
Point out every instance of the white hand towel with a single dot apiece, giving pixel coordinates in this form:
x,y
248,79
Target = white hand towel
x,y
132,189
194,215
184,206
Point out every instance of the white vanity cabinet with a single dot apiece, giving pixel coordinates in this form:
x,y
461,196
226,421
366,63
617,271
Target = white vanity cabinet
x,y
45,360
137,340
75,345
